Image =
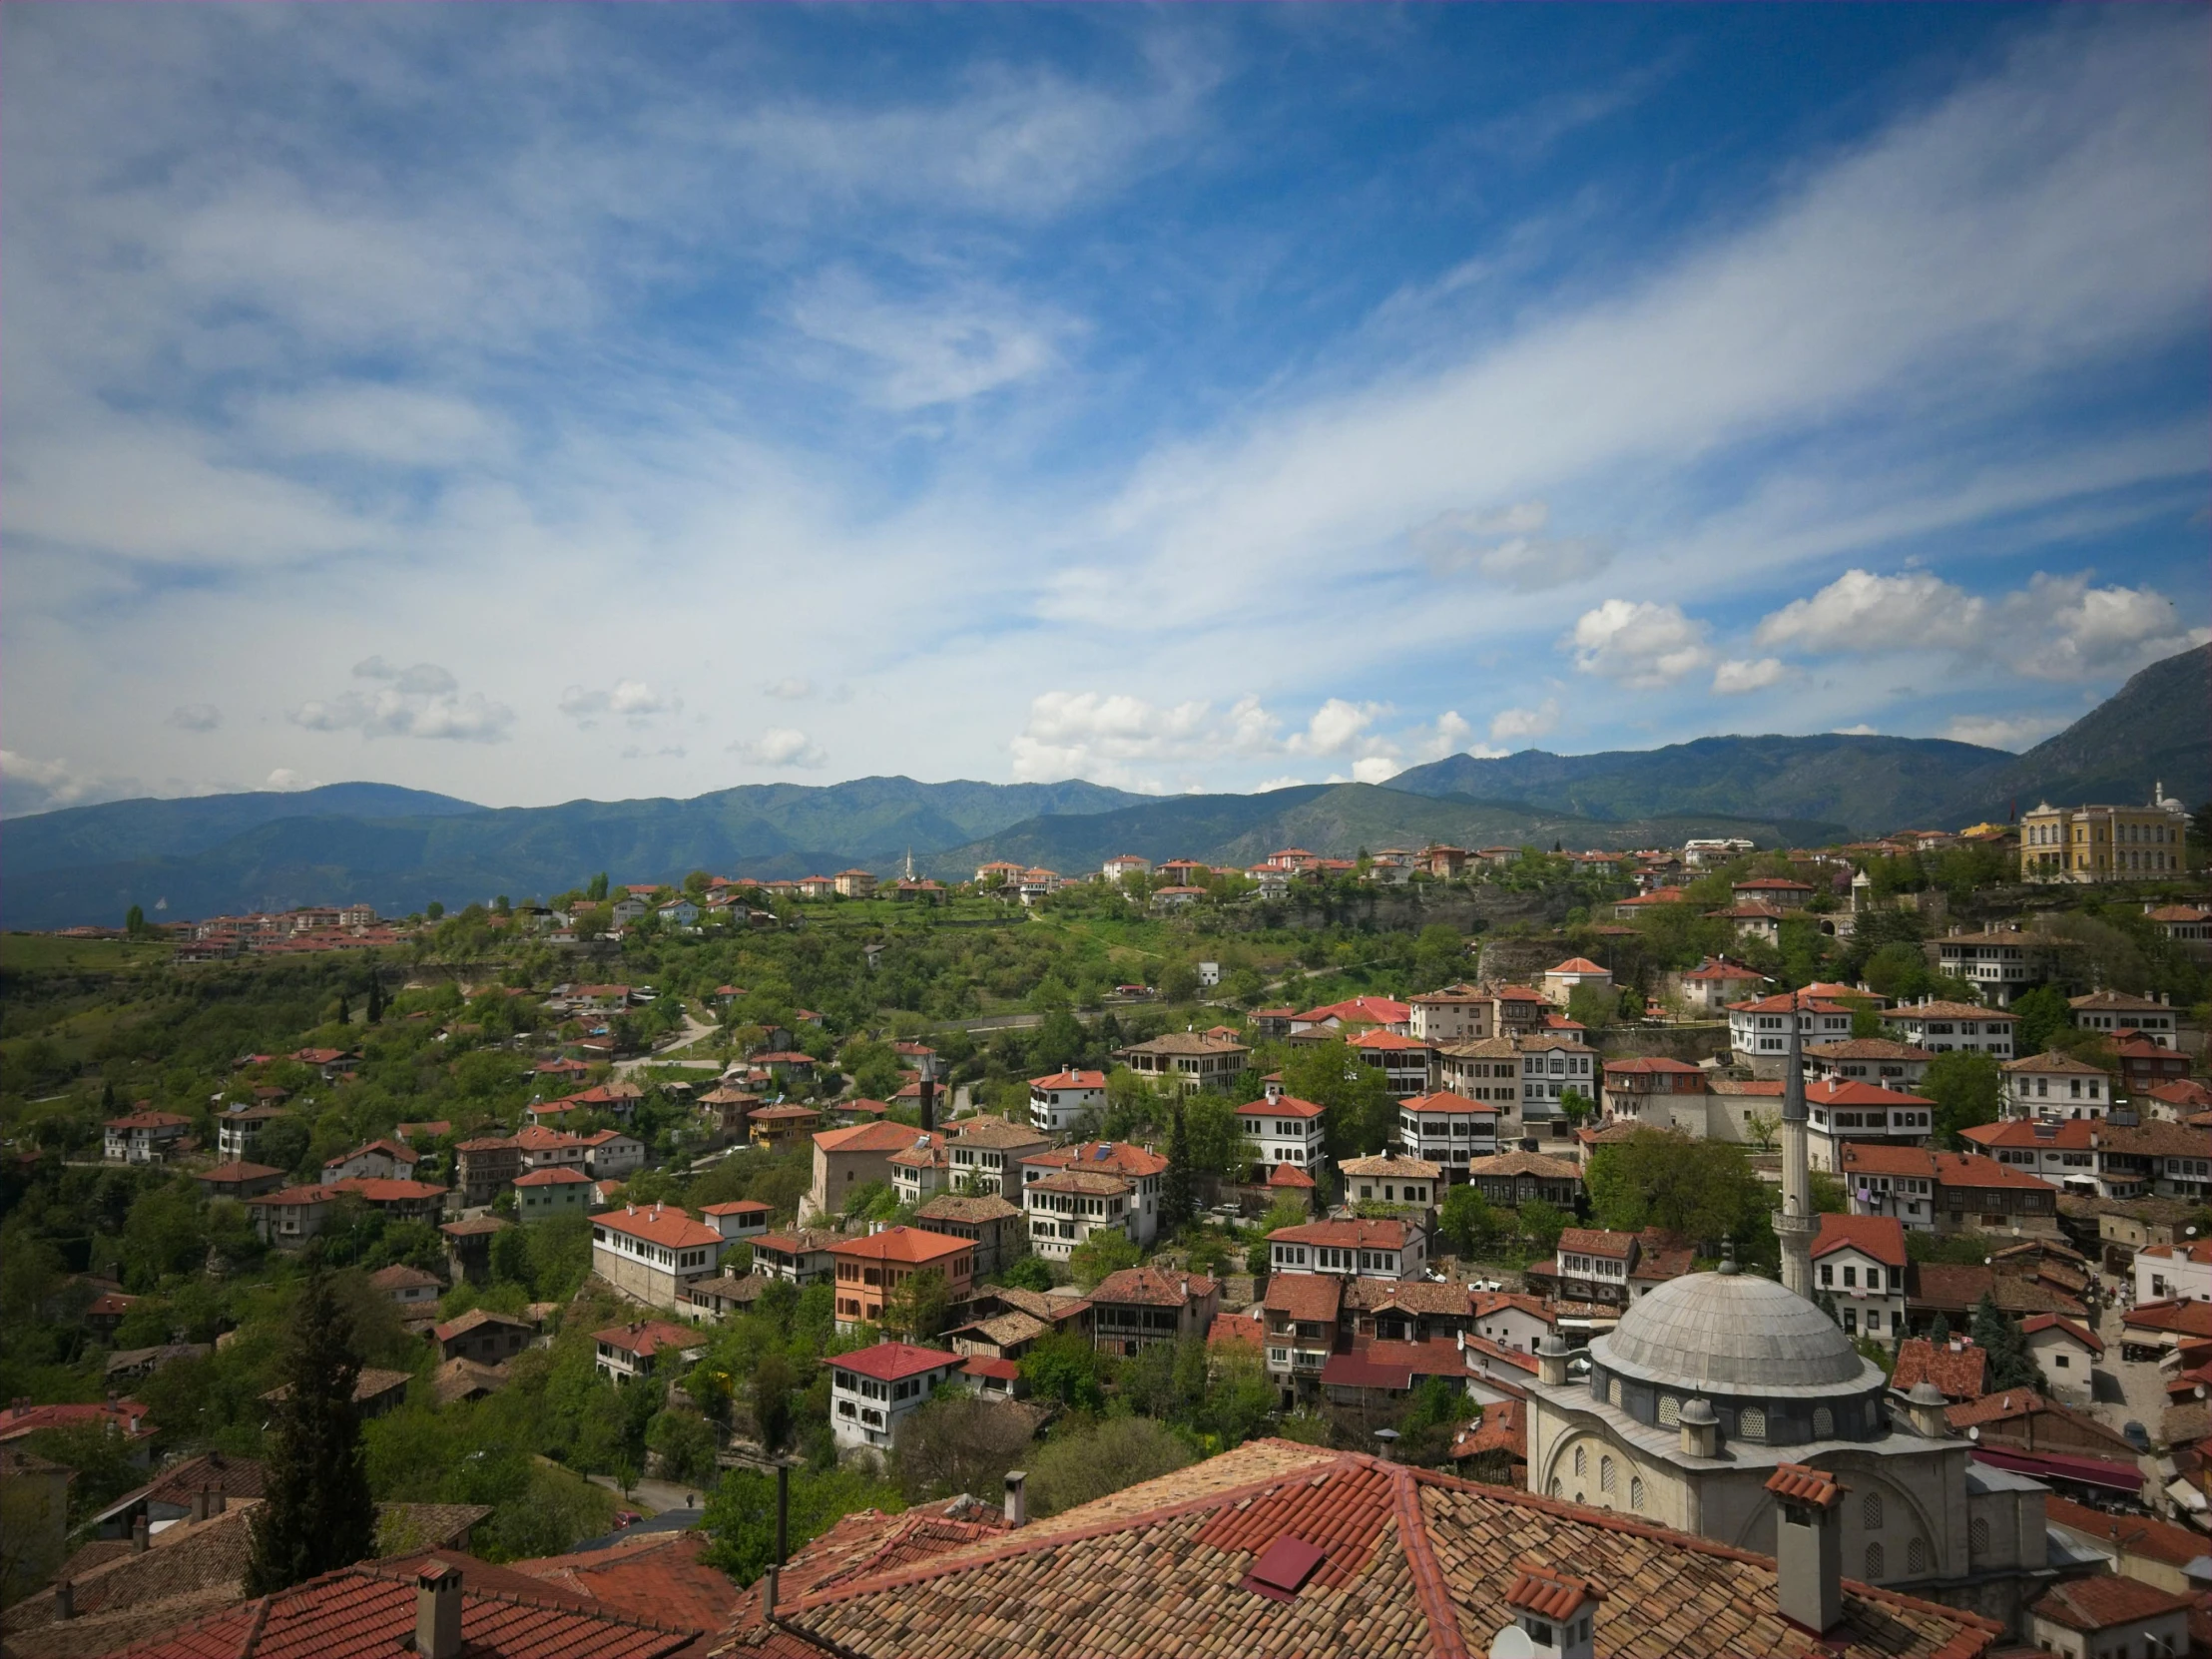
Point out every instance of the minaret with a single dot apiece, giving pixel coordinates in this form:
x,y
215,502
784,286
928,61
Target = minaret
x,y
1796,1223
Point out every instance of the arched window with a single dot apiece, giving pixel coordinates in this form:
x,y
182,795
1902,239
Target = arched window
x,y
1916,1556
1636,1493
1870,1511
1751,1423
1670,1410
1978,1538
1874,1563
1581,1462
1605,1474
1823,1422
1557,1488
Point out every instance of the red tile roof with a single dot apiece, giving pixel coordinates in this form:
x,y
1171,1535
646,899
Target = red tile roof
x,y
1229,1329
2054,1322
1282,1106
1443,1100
1805,1484
2188,1319
552,1178
1289,1174
1852,1092
367,1610
1120,1158
2177,1547
1881,1237
1595,1241
2108,1599
893,1362
1350,1235
1153,1288
1552,1596
902,1244
1959,1374
669,1228
646,1337
659,1576
1070,1080
1308,1297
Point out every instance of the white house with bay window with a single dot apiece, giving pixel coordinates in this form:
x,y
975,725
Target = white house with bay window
x,y
1283,1129
1858,1261
1351,1249
876,1388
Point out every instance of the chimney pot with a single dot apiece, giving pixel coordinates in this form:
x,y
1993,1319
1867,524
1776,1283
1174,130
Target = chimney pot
x,y
439,1612
65,1599
1017,1497
199,1505
140,1536
768,1587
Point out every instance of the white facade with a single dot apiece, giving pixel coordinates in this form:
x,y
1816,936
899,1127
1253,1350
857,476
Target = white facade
x,y
1351,1249
2059,1092
1940,1027
1995,965
1284,1130
1870,1295
1549,1067
1057,1103
2173,1273
1459,1015
611,1155
1066,1209
866,1410
1448,1130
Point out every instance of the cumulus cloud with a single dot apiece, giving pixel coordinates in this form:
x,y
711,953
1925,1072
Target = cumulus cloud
x,y
1520,725
779,745
1862,730
1284,782
285,780
791,688
2001,732
31,785
1451,736
1740,675
1117,737
425,701
1639,643
1504,547
1860,610
631,699
195,716
424,678
2056,628
637,751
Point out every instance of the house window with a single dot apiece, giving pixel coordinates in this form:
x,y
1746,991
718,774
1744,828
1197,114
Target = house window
x,y
1636,1492
1605,1474
1751,1423
1670,1410
1581,1462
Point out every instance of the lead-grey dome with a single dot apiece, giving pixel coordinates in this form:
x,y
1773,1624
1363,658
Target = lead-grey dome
x,y
1733,1332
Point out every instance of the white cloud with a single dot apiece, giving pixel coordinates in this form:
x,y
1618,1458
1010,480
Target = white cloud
x,y
1374,769
1285,783
1862,730
1336,727
637,751
1641,643
942,349
1117,739
630,700
1862,612
1738,676
790,689
195,716
779,745
1451,736
2001,732
424,678
1520,725
1504,547
372,421
2068,630
285,780
420,702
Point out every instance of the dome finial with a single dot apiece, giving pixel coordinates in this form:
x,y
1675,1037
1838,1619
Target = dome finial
x,y
1728,1256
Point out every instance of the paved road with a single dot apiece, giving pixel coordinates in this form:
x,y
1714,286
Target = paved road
x,y
649,1497
694,1030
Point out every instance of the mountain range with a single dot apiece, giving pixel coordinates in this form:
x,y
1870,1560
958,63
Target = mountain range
x,y
400,849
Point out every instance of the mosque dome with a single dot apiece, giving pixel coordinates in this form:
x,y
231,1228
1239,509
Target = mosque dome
x,y
1733,1332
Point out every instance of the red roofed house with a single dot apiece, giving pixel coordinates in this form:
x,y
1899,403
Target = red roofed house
x,y
378,1160
2065,1351
654,1255
1299,1313
489,1339
1448,1129
1283,1129
2109,1614
1611,1269
1759,1029
543,1194
2177,1272
1236,1331
1561,983
126,1417
742,1218
1958,1369
1351,1249
239,1180
873,1389
1057,1102
1854,1113
144,1137
629,1350
1715,982
1064,1186
1656,1092
1404,1061
870,1269
1384,1371
1137,1308
1380,1012
1861,1262
846,1160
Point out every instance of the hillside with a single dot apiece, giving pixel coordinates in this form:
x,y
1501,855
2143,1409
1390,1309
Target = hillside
x,y
1335,821
121,830
2157,727
101,859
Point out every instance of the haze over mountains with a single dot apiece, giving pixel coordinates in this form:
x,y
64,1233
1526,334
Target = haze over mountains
x,y
400,849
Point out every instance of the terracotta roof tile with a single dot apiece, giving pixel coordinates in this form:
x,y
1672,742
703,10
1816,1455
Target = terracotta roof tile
x,y
2098,1603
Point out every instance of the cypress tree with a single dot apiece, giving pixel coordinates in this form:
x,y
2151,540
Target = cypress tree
x,y
345,1010
1175,1206
376,999
1939,1332
316,1514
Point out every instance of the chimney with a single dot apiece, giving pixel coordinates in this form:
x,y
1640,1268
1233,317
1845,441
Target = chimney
x,y
218,1501
783,1511
768,1587
139,1534
1554,1616
199,1505
437,1621
65,1599
1551,1362
1807,1547
1017,1498
928,1088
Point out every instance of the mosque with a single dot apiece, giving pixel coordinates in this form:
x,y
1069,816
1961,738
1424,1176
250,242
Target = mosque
x,y
1711,1380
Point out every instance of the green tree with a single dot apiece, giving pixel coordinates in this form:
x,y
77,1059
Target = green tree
x,y
1866,1022
1703,1190
1967,1088
1468,1221
2043,1018
1079,1465
1593,1005
741,1515
2011,1362
1066,1369
1215,1137
1026,1273
1359,1111
1897,971
685,1444
1179,983
315,1513
435,909
958,1444
916,1308
1101,1254
596,891
1175,1203
1543,1223
376,999
134,922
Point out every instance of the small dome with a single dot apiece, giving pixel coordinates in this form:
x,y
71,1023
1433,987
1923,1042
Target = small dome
x,y
1734,1334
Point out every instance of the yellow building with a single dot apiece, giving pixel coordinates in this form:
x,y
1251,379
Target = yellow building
x,y
2101,843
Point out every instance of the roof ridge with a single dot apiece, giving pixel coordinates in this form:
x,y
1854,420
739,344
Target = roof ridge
x,y
1445,1638
513,1598
1039,1540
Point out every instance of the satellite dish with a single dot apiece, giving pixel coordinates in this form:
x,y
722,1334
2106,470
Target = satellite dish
x,y
1973,1434
1512,1642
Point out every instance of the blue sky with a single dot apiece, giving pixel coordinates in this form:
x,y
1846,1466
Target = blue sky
x,y
541,402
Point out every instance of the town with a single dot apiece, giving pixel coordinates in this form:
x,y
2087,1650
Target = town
x,y
691,1252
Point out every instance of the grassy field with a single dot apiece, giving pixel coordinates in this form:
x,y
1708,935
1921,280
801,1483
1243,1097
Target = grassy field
x,y
33,953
